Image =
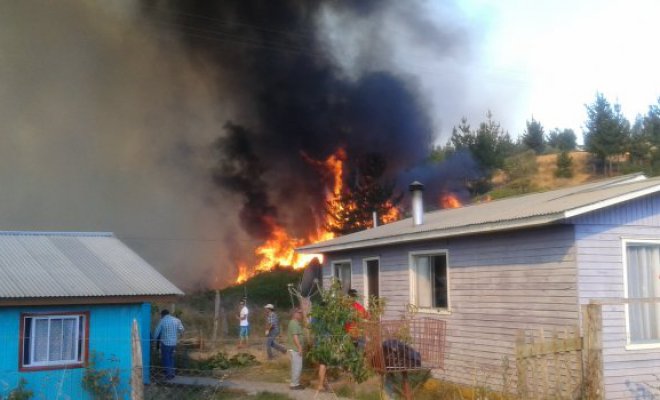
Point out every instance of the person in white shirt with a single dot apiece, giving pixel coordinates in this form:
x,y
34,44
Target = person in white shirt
x,y
244,325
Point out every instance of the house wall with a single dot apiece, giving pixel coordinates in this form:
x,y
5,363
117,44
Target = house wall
x,y
498,284
109,337
599,236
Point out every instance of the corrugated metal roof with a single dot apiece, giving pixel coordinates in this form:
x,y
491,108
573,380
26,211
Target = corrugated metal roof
x,y
510,213
53,264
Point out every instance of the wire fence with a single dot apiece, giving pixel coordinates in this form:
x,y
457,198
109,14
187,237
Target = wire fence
x,y
510,362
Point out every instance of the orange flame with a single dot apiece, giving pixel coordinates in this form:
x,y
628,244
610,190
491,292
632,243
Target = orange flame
x,y
278,249
448,200
393,213
242,273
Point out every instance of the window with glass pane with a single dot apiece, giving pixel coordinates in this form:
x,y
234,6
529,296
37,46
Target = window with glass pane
x,y
431,281
343,275
643,273
52,340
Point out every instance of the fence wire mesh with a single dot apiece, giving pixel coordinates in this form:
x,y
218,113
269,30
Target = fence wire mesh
x,y
485,362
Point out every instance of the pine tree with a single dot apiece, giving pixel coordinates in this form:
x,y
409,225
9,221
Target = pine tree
x,y
562,140
564,165
607,130
534,137
365,192
489,144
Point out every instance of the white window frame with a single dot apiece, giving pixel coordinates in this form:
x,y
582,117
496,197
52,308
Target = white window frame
x,y
80,340
413,280
365,277
333,271
624,256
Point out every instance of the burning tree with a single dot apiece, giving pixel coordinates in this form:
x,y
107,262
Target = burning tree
x,y
365,192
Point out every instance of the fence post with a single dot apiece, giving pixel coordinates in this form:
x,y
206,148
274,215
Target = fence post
x,y
592,316
216,316
521,365
137,381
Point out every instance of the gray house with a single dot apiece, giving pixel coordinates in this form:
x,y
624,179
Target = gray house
x,y
528,262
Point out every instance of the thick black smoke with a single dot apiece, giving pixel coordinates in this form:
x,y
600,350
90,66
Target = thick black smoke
x,y
293,98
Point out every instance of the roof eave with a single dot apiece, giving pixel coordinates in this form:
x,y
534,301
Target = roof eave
x,y
611,202
434,234
87,300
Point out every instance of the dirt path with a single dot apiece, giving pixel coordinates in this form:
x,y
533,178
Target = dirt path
x,y
254,387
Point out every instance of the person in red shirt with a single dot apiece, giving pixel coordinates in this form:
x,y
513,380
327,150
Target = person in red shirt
x,y
352,327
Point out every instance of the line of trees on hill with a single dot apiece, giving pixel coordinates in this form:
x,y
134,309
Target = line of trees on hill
x,y
613,141
615,144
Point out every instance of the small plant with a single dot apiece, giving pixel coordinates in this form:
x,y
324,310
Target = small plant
x,y
21,392
564,165
222,361
102,384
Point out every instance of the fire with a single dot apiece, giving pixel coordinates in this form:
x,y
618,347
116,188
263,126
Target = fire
x,y
448,200
278,249
242,273
393,213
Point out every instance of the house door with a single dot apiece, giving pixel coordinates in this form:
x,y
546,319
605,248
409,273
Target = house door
x,y
373,272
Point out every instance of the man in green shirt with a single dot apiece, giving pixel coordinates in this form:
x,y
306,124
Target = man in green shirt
x,y
295,335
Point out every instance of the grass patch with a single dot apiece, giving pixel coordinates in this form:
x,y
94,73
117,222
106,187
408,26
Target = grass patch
x,y
269,396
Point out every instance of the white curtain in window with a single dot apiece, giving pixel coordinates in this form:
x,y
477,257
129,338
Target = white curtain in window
x,y
424,282
644,282
40,345
70,325
55,348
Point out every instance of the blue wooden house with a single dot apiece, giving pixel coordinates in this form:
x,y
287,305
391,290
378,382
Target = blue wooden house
x,y
530,262
68,300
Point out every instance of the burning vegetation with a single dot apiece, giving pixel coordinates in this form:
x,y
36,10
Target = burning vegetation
x,y
343,212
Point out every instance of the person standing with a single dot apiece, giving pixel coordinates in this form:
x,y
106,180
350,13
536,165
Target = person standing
x,y
167,334
354,327
295,335
272,331
244,325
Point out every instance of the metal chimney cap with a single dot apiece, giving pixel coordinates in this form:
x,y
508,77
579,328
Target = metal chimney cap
x,y
416,186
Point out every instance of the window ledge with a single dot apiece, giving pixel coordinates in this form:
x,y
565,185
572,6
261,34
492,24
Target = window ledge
x,y
645,346
434,311
37,368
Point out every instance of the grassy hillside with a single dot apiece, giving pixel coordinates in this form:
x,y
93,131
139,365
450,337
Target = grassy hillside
x,y
196,309
545,177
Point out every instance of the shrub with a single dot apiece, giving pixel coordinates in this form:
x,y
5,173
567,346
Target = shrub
x,y
564,165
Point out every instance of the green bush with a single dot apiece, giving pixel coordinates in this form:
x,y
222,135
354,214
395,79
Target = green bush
x,y
222,361
21,392
564,165
101,383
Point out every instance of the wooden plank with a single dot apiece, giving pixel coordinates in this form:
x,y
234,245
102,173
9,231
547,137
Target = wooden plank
x,y
593,352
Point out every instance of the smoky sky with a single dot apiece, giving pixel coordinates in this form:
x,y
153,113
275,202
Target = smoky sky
x,y
181,125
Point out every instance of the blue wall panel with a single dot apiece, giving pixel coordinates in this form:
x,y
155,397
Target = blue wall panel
x,y
109,340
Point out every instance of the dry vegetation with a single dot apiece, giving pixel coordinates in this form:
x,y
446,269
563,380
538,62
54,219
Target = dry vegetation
x,y
545,177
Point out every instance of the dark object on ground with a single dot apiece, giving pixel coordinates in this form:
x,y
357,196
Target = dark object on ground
x,y
299,387
312,275
399,355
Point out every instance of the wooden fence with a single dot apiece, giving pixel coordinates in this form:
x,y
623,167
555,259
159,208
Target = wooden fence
x,y
549,366
562,364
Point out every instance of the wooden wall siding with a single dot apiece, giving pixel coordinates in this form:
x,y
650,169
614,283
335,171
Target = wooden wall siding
x,y
499,283
600,275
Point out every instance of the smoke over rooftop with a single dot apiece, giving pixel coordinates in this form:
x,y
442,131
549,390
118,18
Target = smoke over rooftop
x,y
182,125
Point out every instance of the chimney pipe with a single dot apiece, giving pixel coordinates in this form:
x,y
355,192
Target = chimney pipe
x,y
375,217
417,189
